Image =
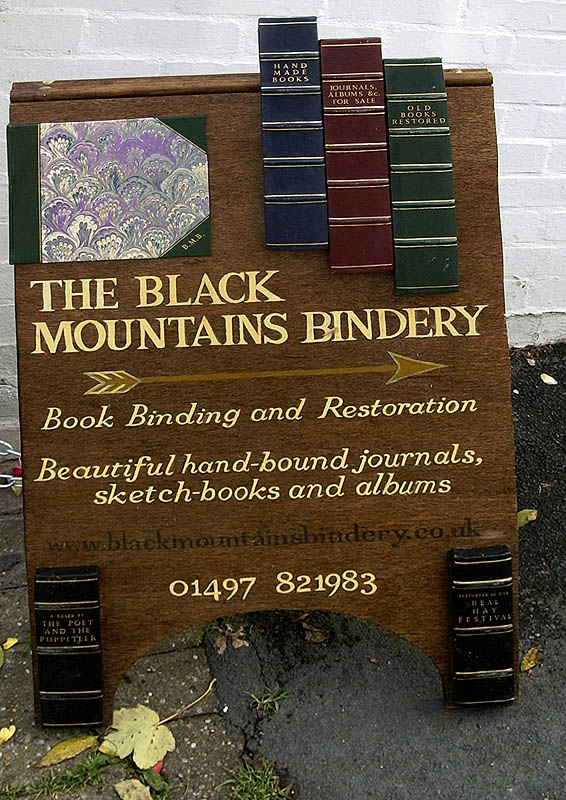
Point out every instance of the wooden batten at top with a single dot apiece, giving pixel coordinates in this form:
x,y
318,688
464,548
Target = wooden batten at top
x,y
179,85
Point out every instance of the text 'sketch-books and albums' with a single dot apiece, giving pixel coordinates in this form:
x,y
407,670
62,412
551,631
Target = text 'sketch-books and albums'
x,y
292,136
357,170
422,185
110,189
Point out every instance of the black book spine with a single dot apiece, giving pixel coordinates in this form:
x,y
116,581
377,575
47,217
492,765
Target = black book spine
x,y
482,626
68,646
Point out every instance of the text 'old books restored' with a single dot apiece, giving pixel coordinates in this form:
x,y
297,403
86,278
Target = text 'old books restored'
x,y
422,185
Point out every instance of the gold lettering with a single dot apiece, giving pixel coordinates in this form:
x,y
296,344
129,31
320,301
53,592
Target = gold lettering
x,y
47,298
223,287
145,290
325,325
472,319
207,289
341,325
173,299
441,323
97,328
84,294
414,322
206,332
190,242
256,286
157,338
280,330
381,314
43,334
102,292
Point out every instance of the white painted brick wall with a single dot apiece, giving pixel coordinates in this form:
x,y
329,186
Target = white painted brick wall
x,y
523,42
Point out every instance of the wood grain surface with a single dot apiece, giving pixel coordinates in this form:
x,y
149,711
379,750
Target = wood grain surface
x,y
407,536
187,84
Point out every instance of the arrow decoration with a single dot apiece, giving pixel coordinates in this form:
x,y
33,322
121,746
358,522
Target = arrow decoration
x,y
120,382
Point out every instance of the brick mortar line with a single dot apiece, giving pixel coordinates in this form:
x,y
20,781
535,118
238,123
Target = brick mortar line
x,y
535,313
86,13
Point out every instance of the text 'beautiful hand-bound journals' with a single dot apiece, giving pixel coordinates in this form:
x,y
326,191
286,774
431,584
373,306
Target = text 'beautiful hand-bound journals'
x,y
110,189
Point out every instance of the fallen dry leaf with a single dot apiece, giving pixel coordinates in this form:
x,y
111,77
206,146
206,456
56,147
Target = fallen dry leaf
x,y
2,658
531,362
548,379
531,659
526,515
132,789
67,749
239,642
10,642
315,635
235,637
139,731
7,733
549,485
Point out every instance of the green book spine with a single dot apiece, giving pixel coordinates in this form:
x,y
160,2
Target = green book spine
x,y
422,184
23,171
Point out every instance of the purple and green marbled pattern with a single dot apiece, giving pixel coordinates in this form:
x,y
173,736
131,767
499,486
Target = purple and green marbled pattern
x,y
126,188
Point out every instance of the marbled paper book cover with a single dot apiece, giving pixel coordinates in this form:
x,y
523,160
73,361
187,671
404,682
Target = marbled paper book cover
x,y
107,190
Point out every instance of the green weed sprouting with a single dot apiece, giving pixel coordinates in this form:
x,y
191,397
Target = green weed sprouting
x,y
269,701
256,782
89,772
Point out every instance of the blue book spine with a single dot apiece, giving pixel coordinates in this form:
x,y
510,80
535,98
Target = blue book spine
x,y
296,216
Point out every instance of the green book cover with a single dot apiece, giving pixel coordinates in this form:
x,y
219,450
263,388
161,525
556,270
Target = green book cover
x,y
108,189
422,184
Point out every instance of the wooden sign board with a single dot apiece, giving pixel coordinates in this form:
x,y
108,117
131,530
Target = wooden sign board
x,y
295,439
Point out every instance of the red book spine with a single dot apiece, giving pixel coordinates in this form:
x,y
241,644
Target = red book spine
x,y
357,172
